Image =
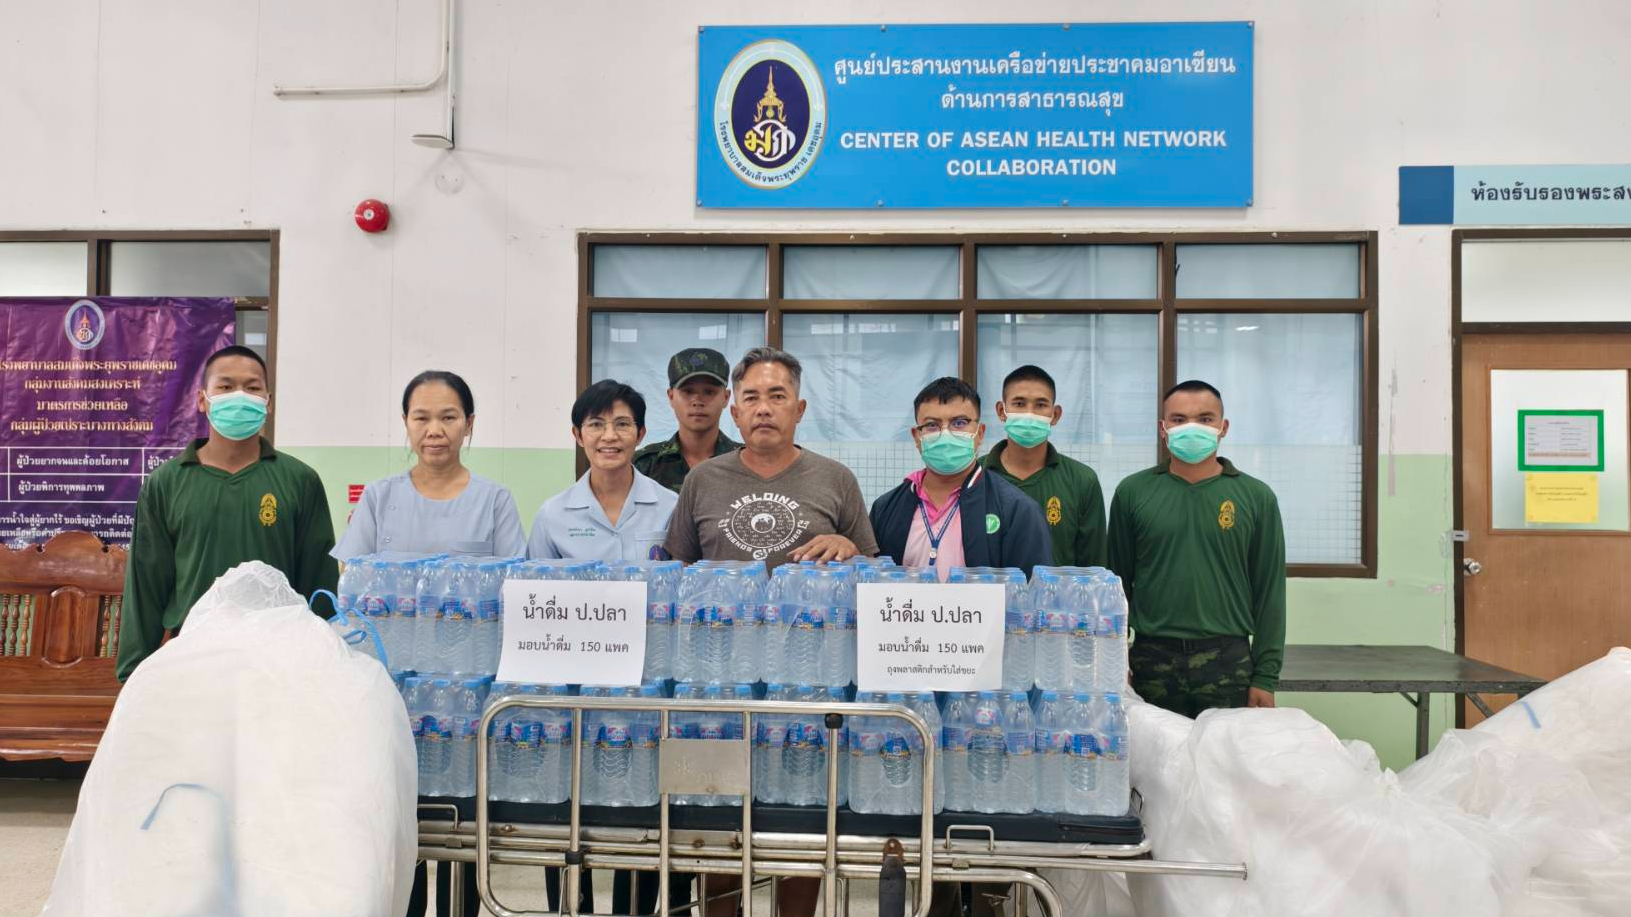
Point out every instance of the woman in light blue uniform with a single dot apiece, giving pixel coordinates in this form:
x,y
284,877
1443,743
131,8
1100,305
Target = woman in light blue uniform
x,y
437,506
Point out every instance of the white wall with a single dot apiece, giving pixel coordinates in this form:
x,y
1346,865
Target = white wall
x,y
581,116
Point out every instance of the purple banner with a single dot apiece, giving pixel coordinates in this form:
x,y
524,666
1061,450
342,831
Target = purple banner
x,y
95,393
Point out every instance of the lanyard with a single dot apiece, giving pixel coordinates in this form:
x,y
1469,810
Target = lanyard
x,y
928,529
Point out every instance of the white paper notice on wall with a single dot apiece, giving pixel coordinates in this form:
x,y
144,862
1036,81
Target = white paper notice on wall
x,y
929,637
573,632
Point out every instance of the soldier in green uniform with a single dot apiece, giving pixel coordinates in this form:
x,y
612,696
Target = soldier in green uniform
x,y
1202,553
225,500
1068,491
697,392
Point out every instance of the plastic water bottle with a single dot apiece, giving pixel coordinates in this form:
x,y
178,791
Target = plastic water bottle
x,y
453,650
1019,727
467,696
1115,774
773,627
867,786
1053,787
806,598
1080,594
613,755
501,740
769,737
954,746
747,593
1084,765
987,756
488,624
414,695
685,726
427,624
643,759
1019,638
839,639
352,583
375,601
662,591
1054,626
804,752
923,705
696,614
1112,634
436,729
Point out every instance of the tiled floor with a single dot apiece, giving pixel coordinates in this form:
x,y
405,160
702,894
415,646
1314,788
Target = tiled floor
x,y
34,819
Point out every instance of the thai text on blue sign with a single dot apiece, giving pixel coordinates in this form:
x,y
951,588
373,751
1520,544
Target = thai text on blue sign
x,y
1058,115
1537,195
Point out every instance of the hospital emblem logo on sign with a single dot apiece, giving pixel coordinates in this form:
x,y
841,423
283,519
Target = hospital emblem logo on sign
x,y
770,114
84,324
1226,515
268,510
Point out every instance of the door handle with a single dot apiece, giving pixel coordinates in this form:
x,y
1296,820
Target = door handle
x,y
1470,567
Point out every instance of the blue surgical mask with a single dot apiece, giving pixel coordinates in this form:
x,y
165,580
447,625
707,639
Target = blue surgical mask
x,y
947,452
237,415
1192,443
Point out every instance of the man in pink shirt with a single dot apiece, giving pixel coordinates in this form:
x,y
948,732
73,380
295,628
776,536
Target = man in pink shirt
x,y
951,512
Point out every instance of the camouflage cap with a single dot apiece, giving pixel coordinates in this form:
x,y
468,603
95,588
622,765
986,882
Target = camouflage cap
x,y
698,361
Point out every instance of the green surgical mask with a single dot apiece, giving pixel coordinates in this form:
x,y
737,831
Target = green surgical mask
x,y
947,452
1192,443
237,415
1027,429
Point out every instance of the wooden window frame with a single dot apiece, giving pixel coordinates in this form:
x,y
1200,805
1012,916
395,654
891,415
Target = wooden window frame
x,y
969,307
98,271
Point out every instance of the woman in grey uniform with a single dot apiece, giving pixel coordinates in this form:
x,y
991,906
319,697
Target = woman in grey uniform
x,y
437,506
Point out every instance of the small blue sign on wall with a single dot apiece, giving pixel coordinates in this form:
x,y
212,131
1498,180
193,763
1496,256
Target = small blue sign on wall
x,y
1526,195
1059,115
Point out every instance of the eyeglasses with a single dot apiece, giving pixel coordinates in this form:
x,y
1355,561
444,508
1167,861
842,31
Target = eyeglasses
x,y
622,426
957,425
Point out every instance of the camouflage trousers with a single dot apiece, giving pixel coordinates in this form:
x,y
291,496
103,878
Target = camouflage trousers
x,y
1188,676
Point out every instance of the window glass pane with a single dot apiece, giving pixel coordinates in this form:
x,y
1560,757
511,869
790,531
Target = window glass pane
x,y
1068,272
680,271
190,269
42,268
861,371
870,272
1530,280
251,329
634,347
1322,271
1107,372
1291,392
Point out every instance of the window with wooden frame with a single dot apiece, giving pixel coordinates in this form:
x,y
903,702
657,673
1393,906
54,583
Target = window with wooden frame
x,y
1284,324
239,264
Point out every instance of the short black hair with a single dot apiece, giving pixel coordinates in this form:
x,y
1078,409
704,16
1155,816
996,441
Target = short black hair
x,y
236,350
945,390
1193,385
599,398
451,380
1030,373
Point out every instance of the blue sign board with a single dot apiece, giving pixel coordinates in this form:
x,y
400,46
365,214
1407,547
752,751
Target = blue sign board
x,y
1058,115
1578,195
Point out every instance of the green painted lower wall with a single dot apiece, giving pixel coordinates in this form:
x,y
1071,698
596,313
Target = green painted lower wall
x,y
1410,601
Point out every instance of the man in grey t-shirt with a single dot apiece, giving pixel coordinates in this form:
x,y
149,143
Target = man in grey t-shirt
x,y
770,500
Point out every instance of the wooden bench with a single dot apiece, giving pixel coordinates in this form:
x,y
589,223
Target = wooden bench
x,y
59,637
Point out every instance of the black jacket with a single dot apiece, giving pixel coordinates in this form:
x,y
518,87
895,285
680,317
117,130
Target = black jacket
x,y
1020,538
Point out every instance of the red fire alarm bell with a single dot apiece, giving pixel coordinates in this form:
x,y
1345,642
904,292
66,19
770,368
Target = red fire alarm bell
x,y
373,216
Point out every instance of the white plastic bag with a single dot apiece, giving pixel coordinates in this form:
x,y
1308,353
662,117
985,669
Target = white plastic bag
x,y
252,766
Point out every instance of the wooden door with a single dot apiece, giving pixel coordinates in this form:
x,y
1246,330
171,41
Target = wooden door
x,y
1541,602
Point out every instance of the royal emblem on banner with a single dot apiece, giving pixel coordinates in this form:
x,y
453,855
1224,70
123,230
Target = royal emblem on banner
x,y
770,114
84,324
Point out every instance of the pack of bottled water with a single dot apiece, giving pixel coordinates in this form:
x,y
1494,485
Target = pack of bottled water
x,y
791,751
619,765
989,752
445,714
1019,621
1081,640
717,623
887,757
382,587
529,758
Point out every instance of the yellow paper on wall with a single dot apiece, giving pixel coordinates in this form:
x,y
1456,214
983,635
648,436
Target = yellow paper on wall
x,y
1560,497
